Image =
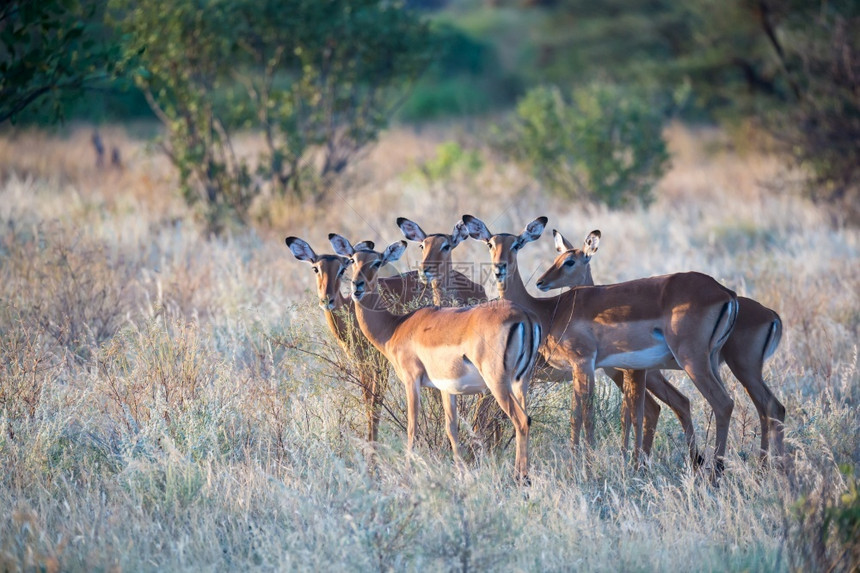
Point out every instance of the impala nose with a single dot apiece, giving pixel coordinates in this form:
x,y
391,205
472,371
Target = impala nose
x,y
358,289
500,270
539,284
327,302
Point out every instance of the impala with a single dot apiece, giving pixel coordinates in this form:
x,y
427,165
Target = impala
x,y
667,322
450,288
753,340
506,258
462,350
340,316
578,271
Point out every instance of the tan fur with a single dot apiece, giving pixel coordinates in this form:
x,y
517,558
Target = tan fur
x,y
450,287
442,343
753,339
690,312
339,312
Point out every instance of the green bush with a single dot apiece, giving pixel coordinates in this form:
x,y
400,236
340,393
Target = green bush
x,y
317,79
603,143
449,160
51,51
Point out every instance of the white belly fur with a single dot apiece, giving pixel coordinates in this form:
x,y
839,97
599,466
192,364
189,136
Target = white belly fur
x,y
653,357
470,383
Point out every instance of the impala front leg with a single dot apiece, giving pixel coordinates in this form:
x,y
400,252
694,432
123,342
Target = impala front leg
x,y
413,403
634,399
449,404
582,403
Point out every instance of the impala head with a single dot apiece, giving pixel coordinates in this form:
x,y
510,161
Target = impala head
x,y
504,246
435,249
366,261
571,267
328,269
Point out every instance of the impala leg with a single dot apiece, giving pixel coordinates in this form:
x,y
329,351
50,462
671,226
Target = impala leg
x,y
510,405
711,387
636,400
413,398
449,404
372,395
679,404
770,411
649,429
582,404
652,410
379,383
628,408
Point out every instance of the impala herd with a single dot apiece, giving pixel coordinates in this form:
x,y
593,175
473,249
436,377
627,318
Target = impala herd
x,y
458,342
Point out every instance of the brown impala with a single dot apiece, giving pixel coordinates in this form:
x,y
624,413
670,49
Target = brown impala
x,y
754,339
667,322
463,350
340,316
450,288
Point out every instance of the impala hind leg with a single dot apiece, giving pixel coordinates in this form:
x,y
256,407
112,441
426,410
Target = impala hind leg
x,y
680,405
771,412
711,386
510,405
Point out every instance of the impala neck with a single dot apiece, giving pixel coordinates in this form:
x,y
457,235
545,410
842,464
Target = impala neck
x,y
546,309
513,288
438,293
336,318
588,281
376,322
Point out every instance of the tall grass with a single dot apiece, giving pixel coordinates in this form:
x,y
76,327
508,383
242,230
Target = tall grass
x,y
174,401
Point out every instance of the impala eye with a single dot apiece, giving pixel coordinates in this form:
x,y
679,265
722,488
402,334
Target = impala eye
x,y
489,245
340,272
446,248
569,262
516,247
376,265
316,270
421,246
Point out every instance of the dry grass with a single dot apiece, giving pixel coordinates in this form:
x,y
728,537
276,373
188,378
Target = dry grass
x,y
159,408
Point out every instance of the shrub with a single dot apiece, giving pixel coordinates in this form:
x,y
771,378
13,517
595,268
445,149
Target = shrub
x,y
603,143
317,79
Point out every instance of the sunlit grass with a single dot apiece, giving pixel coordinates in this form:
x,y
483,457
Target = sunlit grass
x,y
170,400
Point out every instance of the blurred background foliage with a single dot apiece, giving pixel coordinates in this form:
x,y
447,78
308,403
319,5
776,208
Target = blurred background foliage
x,y
320,79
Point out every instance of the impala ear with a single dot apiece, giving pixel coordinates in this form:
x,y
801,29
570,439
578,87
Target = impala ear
x,y
393,252
301,250
411,230
592,241
341,245
477,229
459,234
364,246
562,245
533,230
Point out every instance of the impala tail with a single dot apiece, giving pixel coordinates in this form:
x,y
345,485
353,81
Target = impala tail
x,y
722,330
522,348
774,336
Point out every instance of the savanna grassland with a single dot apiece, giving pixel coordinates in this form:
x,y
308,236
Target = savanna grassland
x,y
171,400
